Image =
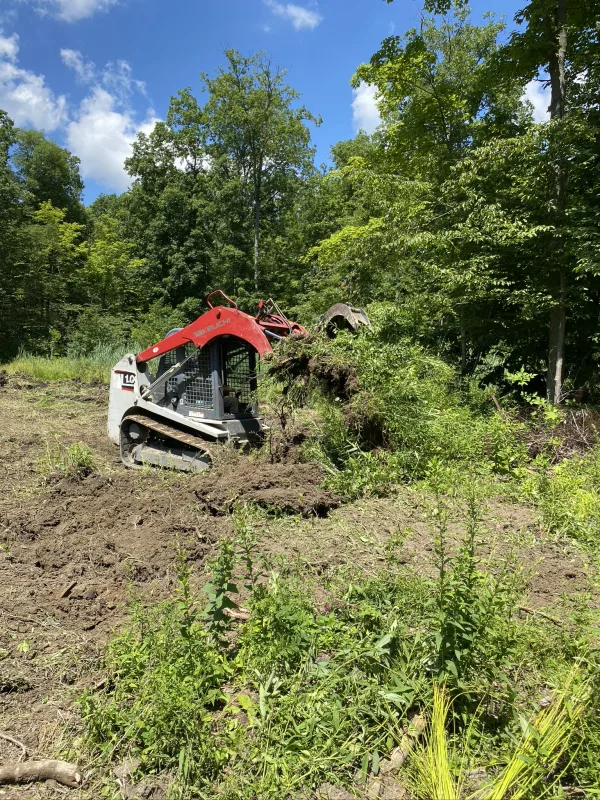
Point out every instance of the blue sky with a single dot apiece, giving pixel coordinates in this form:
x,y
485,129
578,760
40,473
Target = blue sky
x,y
94,72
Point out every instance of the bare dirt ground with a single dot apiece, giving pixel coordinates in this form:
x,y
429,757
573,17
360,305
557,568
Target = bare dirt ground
x,y
74,550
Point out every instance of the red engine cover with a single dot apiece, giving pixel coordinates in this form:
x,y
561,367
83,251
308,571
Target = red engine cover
x,y
216,322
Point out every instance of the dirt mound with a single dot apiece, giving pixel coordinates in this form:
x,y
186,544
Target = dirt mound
x,y
287,488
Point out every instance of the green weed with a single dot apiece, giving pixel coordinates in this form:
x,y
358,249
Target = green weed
x,y
471,611
71,460
568,496
165,683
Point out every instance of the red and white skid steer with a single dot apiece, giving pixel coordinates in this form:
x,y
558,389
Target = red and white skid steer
x,y
173,403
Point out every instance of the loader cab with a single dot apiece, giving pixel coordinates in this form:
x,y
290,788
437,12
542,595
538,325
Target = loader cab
x,y
218,382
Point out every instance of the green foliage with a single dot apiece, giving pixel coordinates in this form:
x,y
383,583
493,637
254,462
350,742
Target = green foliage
x,y
471,610
389,409
165,680
281,630
154,325
111,272
96,331
568,496
74,460
298,696
435,92
48,174
545,742
218,589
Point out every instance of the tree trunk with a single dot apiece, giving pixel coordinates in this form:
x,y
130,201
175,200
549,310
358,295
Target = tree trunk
x,y
556,342
257,210
556,346
256,241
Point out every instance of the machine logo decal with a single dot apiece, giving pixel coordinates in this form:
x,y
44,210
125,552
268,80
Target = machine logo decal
x,y
209,328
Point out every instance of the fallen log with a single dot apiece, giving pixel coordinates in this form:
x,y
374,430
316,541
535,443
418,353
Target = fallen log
x,y
29,771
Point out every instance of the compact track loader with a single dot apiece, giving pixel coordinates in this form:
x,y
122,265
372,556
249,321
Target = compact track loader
x,y
172,404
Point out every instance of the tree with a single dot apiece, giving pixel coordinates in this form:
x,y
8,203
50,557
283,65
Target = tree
x,y
544,45
12,247
110,272
51,290
250,119
556,38
48,174
436,94
214,184
438,102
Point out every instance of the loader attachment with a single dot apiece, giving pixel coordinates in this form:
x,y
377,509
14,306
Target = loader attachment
x,y
342,315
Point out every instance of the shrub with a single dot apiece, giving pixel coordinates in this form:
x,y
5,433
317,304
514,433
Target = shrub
x,y
568,496
387,396
96,329
164,680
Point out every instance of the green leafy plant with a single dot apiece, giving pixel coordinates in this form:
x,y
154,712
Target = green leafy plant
x,y
473,635
164,681
218,590
75,460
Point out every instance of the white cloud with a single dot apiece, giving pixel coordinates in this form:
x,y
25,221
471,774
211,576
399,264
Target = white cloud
x,y
299,16
539,97
9,47
72,10
118,78
102,136
85,71
365,114
24,95
105,126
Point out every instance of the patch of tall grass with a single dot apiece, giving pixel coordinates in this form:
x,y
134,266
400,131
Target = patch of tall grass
x,y
94,367
532,766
